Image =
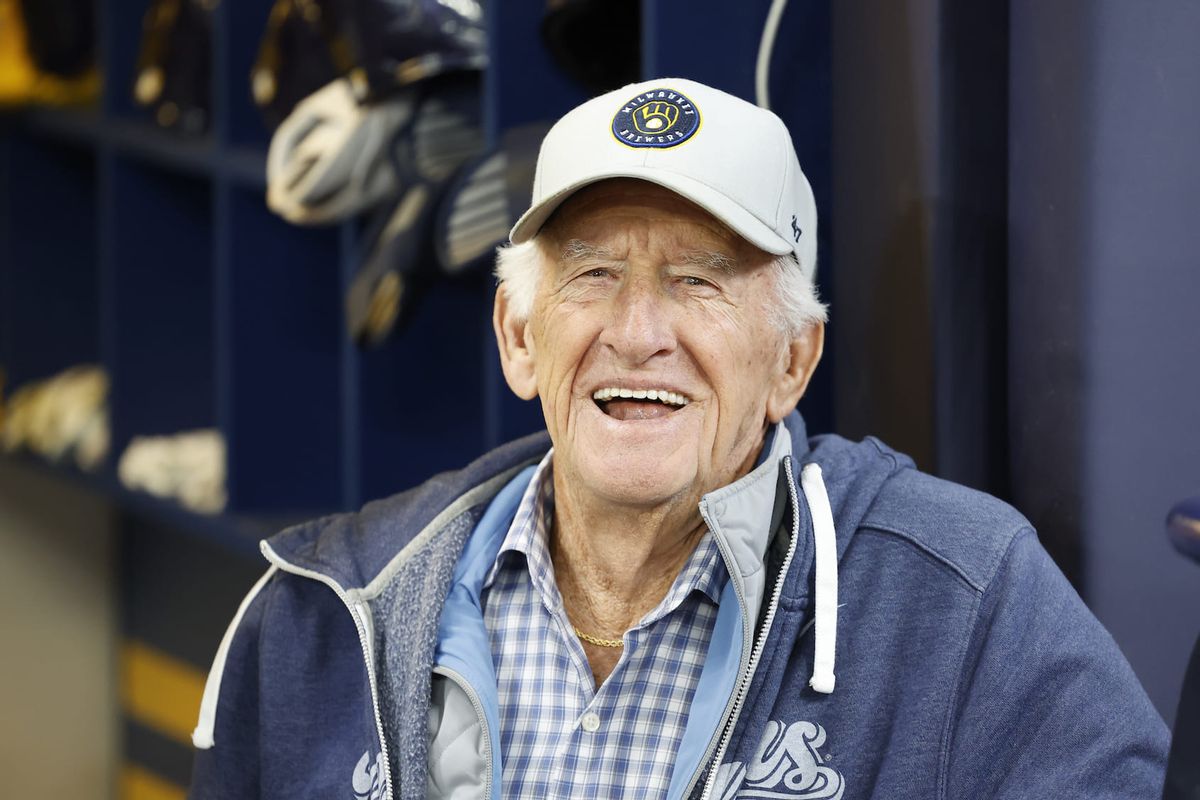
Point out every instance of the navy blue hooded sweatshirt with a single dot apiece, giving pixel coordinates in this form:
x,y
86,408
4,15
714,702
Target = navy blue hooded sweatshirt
x,y
967,667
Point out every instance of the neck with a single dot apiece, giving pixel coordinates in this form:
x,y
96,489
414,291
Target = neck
x,y
614,563
613,566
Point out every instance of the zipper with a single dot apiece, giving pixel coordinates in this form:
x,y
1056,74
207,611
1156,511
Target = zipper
x,y
741,598
473,696
739,697
359,626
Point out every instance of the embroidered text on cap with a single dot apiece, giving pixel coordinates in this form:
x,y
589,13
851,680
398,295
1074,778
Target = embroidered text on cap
x,y
658,118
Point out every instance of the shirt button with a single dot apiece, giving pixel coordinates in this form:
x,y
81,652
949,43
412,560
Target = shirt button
x,y
591,722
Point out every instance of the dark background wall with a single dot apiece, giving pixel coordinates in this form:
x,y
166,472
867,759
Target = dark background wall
x,y
1104,201
1137,158
1016,207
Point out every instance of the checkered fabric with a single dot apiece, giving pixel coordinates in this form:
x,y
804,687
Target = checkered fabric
x,y
560,736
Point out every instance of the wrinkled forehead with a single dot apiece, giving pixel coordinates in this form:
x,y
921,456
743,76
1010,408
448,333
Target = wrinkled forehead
x,y
606,210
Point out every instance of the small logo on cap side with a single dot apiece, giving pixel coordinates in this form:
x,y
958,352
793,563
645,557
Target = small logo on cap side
x,y
796,232
658,118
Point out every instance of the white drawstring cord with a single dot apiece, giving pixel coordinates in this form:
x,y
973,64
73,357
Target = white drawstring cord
x,y
825,542
766,46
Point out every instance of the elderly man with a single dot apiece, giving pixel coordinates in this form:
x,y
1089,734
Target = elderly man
x,y
676,593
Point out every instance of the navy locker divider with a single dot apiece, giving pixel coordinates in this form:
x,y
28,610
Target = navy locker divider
x,y
162,292
236,39
279,358
120,31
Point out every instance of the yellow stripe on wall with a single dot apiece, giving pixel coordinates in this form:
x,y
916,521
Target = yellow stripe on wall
x,y
160,691
137,783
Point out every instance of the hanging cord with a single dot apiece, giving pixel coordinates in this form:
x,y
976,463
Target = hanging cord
x,y
762,70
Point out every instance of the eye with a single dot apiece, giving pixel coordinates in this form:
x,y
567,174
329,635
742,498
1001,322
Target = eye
x,y
593,275
692,280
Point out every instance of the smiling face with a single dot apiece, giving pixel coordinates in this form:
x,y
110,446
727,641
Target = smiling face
x,y
650,347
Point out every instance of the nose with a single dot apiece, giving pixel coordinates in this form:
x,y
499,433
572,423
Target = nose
x,y
640,326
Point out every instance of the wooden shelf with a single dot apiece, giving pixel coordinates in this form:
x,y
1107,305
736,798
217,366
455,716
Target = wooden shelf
x,y
142,141
237,533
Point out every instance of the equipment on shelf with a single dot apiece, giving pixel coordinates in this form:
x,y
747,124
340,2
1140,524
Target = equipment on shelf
x,y
389,136
332,158
175,64
46,52
398,43
188,467
381,46
485,199
61,35
596,42
446,132
60,417
302,49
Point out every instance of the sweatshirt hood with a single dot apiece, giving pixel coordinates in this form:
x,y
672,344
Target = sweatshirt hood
x,y
853,474
356,548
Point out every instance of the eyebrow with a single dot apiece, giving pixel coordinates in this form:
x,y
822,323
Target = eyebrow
x,y
717,262
578,251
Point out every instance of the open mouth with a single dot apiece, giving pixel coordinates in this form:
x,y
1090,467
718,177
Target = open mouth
x,y
625,404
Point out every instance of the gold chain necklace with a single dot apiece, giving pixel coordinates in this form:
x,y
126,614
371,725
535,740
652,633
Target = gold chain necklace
x,y
597,641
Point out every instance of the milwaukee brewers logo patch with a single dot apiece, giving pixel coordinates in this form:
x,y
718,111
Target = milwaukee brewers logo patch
x,y
658,118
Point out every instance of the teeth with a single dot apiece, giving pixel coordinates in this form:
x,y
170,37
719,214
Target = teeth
x,y
661,395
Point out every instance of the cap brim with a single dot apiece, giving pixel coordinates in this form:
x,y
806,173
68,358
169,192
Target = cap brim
x,y
741,221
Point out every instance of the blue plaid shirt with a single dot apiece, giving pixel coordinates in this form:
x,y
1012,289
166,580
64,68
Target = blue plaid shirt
x,y
559,735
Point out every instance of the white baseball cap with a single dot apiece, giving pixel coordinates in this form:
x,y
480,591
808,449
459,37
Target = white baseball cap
x,y
733,159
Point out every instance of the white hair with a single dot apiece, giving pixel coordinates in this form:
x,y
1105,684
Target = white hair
x,y
519,268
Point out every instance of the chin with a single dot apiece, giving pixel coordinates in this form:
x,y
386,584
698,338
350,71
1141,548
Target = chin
x,y
642,482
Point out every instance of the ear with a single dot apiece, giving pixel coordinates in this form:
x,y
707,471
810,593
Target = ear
x,y
517,354
800,361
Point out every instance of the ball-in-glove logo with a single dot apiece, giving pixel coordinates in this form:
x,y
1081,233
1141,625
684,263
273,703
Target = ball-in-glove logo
x,y
658,118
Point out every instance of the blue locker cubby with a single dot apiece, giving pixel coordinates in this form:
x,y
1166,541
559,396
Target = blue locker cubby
x,y
418,396
49,252
154,254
